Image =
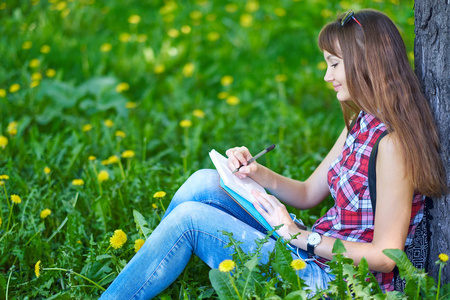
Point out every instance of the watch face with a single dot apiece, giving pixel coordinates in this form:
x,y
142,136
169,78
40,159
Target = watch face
x,y
314,238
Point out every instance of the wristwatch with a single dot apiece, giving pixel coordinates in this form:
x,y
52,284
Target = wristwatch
x,y
313,240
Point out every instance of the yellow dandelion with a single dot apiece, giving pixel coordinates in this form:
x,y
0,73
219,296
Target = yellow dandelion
x,y
108,123
231,8
14,88
122,87
130,105
61,6
45,213
252,6
103,175
213,36
226,80
27,45
0,222
36,76
280,12
185,123
173,33
134,19
105,47
159,194
34,63
188,69
92,157
78,182
141,38
232,100
128,154
138,244
2,183
120,134
227,266
280,78
45,49
16,199
154,206
34,83
47,170
169,6
246,20
118,239
86,127
37,268
4,177
159,69
2,93
186,29
124,37
322,65
12,128
196,15
3,141
298,264
199,113
50,73
222,95
443,257
113,159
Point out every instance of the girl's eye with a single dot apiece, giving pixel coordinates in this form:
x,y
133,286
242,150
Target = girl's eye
x,y
334,65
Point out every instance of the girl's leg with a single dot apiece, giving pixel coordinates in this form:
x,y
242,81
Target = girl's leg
x,y
204,186
191,227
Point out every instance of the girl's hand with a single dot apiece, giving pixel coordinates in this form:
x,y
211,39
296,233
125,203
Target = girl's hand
x,y
275,213
239,156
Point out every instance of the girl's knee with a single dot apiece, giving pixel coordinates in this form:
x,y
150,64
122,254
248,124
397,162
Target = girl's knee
x,y
198,187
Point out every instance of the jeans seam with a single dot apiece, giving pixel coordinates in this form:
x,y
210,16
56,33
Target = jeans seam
x,y
164,258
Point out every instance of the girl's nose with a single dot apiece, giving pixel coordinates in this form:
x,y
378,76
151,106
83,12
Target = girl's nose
x,y
328,76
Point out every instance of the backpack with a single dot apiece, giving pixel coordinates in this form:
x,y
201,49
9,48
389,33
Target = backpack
x,y
418,251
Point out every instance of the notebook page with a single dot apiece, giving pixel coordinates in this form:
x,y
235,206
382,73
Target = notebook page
x,y
243,187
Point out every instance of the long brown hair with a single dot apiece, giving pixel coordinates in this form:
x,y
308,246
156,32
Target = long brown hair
x,y
382,83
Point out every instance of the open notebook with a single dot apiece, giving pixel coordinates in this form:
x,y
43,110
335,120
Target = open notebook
x,y
241,189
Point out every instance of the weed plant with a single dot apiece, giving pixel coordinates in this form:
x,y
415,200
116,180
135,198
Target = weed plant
x,y
107,107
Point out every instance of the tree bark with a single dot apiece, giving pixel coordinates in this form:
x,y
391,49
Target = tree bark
x,y
432,64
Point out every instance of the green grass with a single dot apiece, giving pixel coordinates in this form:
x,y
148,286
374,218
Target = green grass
x,y
299,114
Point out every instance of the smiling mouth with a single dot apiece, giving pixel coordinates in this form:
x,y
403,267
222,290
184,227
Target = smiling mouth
x,y
336,87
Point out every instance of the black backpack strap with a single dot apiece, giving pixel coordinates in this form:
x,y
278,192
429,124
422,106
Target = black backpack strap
x,y
372,172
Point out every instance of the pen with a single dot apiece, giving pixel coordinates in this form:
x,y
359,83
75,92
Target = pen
x,y
270,148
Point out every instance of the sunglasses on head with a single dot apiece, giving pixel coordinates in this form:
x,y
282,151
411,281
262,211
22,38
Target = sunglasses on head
x,y
347,17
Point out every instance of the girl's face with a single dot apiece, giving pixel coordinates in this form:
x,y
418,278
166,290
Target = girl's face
x,y
336,75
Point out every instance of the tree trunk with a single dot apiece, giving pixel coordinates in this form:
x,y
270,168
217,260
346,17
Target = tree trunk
x,y
432,63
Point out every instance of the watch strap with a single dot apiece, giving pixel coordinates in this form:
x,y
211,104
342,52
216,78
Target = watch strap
x,y
310,249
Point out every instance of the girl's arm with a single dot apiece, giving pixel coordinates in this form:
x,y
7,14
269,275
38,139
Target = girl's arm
x,y
393,213
302,195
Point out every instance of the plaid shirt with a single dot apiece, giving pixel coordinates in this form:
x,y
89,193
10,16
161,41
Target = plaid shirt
x,y
351,218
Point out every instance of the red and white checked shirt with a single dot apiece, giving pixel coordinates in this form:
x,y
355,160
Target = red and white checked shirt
x,y
351,218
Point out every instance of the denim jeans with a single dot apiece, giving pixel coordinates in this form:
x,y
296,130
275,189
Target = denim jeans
x,y
193,224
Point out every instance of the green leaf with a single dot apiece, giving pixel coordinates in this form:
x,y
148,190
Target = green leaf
x,y
405,267
141,224
282,263
296,295
221,283
338,247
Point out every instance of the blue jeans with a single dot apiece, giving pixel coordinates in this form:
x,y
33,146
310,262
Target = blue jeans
x,y
193,222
